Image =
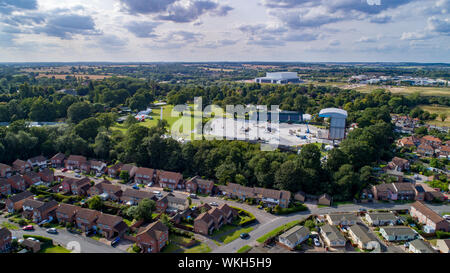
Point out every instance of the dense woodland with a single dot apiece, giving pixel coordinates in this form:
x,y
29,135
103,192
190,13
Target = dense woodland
x,y
91,114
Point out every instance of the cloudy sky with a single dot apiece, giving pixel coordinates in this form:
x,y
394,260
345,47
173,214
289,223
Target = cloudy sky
x,y
225,30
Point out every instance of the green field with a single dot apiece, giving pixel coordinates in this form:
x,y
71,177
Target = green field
x,y
9,226
438,110
244,249
423,91
228,238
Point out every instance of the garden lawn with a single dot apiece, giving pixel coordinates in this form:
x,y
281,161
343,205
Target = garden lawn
x,y
274,232
9,226
228,238
201,248
54,249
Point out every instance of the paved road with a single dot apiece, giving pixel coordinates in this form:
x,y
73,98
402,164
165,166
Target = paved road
x,y
261,230
67,239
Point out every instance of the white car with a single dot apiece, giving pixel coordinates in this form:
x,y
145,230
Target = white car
x,y
214,204
447,217
156,192
316,242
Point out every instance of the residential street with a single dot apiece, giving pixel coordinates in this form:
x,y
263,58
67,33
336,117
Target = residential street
x,y
67,239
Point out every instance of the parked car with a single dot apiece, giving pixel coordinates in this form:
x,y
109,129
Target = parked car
x,y
156,192
214,204
52,231
77,171
90,232
316,242
193,195
77,175
98,175
115,242
447,217
150,184
136,187
64,170
244,235
29,227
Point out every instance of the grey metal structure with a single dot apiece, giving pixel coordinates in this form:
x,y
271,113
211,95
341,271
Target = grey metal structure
x,y
337,122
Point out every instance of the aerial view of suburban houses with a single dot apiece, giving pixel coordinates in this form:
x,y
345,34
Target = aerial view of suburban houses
x,y
243,128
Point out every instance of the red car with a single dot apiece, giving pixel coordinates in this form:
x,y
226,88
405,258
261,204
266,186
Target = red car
x,y
64,170
29,227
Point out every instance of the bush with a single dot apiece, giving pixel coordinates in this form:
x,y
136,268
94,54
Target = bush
x,y
136,248
442,234
296,208
22,222
46,241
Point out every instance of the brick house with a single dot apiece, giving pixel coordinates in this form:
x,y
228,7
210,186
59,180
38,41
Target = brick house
x,y
144,175
228,213
131,169
217,216
76,186
98,166
17,182
97,189
172,203
75,162
114,171
420,193
325,199
428,217
152,238
20,166
5,240
46,175
444,151
32,178
5,170
66,213
38,161
133,196
39,211
114,191
5,187
399,164
86,219
196,184
15,202
204,224
57,160
394,191
434,195
425,150
171,180
431,140
110,226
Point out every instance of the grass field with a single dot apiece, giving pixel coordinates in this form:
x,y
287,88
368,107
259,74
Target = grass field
x,y
423,91
9,226
244,249
438,110
228,238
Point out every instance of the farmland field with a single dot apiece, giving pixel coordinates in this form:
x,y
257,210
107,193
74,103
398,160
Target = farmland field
x,y
423,91
438,110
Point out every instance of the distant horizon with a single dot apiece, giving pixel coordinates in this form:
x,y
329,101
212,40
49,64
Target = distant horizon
x,y
219,62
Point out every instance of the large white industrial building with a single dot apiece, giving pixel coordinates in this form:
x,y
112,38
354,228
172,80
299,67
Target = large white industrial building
x,y
337,122
279,78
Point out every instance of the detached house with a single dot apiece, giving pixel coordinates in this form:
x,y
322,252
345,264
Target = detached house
x,y
111,226
344,219
428,217
66,213
268,196
114,191
38,161
144,175
98,166
114,171
57,160
171,180
172,203
196,184
5,170
15,202
75,162
5,187
294,236
228,213
398,233
130,169
380,218
46,175
419,246
332,236
431,140
131,196
20,166
153,238
443,245
399,164
362,237
76,186
97,189
17,183
394,191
